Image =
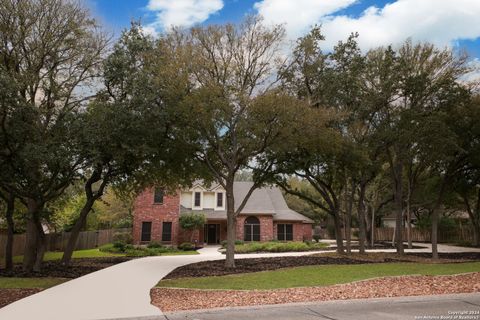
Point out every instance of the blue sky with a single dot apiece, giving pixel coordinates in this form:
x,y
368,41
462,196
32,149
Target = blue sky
x,y
452,23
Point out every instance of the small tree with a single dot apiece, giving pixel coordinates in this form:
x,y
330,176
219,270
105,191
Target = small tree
x,y
191,222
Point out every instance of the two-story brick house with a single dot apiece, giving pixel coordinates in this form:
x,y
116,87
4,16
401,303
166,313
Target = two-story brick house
x,y
265,217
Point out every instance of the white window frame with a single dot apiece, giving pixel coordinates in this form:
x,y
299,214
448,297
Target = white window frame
x,y
223,200
193,200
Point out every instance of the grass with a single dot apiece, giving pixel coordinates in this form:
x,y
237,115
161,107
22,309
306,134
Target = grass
x,y
88,253
98,253
9,283
318,275
275,246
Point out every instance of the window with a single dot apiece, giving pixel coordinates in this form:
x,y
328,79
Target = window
x,y
167,231
220,200
251,229
158,195
197,200
285,232
146,231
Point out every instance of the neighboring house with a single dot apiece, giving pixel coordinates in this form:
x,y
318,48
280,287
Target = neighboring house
x,y
389,221
265,217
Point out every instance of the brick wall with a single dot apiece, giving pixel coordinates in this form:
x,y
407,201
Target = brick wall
x,y
301,231
307,231
146,210
266,227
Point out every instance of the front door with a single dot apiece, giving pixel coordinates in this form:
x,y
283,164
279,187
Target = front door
x,y
212,234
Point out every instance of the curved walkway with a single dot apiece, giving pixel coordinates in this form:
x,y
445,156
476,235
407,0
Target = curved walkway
x,y
123,290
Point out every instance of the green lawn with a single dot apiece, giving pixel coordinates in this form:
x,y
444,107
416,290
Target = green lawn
x,y
89,253
96,253
318,275
8,283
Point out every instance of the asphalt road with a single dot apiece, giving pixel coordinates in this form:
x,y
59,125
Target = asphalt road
x,y
454,307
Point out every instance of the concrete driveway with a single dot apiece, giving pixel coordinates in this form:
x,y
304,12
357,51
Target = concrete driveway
x,y
121,291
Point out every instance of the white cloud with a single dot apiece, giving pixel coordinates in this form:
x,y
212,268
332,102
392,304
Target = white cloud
x,y
440,22
184,13
298,15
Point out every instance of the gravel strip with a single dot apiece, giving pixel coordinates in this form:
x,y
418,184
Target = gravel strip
x,y
171,299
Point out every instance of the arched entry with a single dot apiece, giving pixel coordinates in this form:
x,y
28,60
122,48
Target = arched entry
x,y
251,229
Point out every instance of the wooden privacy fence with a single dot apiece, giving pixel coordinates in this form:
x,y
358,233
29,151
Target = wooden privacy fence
x,y
58,241
458,234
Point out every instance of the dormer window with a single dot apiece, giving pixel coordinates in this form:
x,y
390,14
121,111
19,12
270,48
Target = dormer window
x,y
158,196
219,199
197,200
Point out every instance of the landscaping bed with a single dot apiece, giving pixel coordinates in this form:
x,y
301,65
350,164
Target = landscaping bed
x,y
276,246
171,299
217,267
77,268
13,289
8,296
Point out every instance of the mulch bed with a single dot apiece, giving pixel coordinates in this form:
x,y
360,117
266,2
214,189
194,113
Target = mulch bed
x,y
217,267
169,299
77,268
8,296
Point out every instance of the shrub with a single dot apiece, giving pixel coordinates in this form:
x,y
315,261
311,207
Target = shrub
x,y
119,245
186,246
124,237
316,237
272,246
223,243
154,244
237,242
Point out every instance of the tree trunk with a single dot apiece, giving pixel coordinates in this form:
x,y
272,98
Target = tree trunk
x,y
476,235
348,216
361,218
231,227
32,241
74,233
10,232
398,198
409,215
434,238
338,232
372,239
368,225
41,246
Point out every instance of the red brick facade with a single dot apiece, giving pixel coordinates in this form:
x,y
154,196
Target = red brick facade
x,y
145,210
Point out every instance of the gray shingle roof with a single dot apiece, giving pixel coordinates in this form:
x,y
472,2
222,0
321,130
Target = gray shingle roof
x,y
263,201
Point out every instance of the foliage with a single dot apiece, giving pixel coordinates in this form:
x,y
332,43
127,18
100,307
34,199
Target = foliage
x,y
186,246
192,221
154,244
144,251
224,243
275,246
124,236
40,156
